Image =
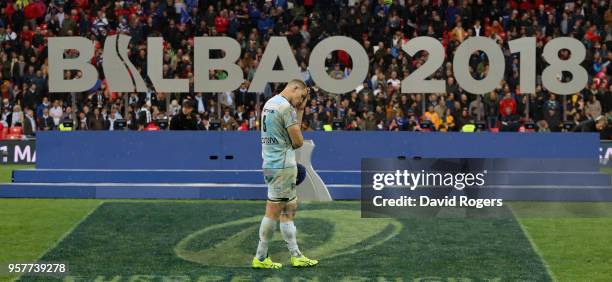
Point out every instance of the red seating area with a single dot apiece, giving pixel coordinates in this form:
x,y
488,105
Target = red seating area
x,y
13,133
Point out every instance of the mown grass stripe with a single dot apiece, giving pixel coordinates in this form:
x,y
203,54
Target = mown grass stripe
x,y
54,245
534,247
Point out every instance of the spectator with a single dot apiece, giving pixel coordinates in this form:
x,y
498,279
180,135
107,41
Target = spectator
x,y
244,126
45,122
204,124
458,33
42,106
29,98
144,116
4,117
111,118
16,117
227,121
96,122
83,123
68,114
401,121
592,108
599,124
449,121
29,124
543,126
432,116
336,73
509,121
507,106
464,118
200,103
477,108
491,109
186,119
56,112
553,120
222,22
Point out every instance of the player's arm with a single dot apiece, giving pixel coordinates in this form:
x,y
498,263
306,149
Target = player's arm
x,y
294,130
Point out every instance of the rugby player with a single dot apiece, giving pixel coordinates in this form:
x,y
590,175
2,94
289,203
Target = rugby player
x,y
280,135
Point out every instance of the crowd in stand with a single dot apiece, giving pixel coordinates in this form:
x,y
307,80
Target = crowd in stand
x,y
381,26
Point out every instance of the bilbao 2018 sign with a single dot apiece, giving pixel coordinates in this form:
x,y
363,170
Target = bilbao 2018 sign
x,y
122,76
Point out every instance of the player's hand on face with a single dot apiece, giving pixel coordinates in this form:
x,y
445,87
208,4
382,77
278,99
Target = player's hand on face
x,y
304,99
302,105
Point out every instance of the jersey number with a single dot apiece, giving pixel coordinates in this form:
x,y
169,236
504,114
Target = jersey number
x,y
263,123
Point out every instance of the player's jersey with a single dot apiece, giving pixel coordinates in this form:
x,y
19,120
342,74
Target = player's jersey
x,y
276,149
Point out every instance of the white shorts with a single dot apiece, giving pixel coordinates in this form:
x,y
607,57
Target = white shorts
x,y
281,183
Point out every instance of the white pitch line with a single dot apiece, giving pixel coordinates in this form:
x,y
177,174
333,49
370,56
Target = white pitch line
x,y
534,246
186,185
259,170
108,184
251,185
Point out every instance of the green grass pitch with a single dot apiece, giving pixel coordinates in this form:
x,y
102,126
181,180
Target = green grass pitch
x,y
217,239
158,240
7,169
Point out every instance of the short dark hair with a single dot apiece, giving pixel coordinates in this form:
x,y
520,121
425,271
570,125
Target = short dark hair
x,y
188,104
297,82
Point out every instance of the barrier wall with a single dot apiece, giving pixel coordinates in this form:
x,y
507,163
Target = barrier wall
x,y
334,150
226,165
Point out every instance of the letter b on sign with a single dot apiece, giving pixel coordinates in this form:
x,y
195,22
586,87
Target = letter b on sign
x,y
58,64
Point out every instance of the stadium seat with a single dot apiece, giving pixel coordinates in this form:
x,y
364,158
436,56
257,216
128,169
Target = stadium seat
x,y
16,130
152,127
14,136
3,133
494,129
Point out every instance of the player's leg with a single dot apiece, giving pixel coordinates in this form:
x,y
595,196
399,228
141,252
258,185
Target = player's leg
x,y
274,206
289,232
288,229
266,231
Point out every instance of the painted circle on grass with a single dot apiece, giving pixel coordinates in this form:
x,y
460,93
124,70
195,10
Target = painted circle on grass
x,y
232,244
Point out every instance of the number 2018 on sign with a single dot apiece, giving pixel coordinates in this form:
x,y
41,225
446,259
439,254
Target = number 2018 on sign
x,y
417,81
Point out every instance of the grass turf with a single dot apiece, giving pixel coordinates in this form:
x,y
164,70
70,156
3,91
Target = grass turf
x,y
573,238
30,227
574,248
140,238
7,169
